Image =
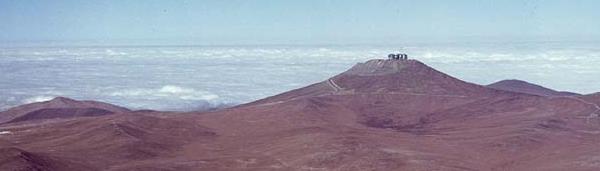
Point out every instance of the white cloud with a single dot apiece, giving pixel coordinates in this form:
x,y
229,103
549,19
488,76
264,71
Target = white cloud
x,y
167,91
37,99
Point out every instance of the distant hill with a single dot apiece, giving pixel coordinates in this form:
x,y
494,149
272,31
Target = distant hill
x,y
529,88
59,107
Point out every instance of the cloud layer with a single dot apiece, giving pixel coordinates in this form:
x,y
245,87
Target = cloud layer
x,y
198,78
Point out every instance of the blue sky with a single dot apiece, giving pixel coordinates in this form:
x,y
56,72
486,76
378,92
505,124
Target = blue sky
x,y
302,21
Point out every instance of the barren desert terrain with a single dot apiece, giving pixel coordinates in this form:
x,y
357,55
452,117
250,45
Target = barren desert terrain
x,y
378,115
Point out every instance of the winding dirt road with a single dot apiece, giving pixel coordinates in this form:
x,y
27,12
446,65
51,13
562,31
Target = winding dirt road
x,y
333,85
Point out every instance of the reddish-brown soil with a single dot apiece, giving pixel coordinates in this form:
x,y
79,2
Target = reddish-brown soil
x,y
379,115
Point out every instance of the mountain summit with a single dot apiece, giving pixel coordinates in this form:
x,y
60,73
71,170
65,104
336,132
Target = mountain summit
x,y
403,76
383,67
386,76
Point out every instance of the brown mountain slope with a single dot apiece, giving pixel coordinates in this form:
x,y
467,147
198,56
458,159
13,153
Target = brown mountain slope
x,y
529,88
12,158
380,115
59,107
329,133
108,141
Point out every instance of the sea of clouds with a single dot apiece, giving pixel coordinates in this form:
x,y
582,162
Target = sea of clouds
x,y
207,77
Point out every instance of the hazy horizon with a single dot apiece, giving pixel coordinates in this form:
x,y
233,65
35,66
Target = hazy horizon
x,y
202,77
182,55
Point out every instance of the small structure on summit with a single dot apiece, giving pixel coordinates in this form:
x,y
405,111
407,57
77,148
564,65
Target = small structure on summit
x,y
400,56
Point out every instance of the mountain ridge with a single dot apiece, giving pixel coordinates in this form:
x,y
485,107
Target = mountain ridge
x,y
521,86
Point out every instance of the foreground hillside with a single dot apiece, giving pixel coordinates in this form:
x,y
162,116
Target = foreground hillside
x,y
378,115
